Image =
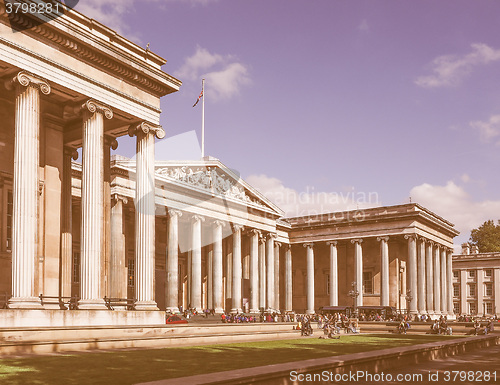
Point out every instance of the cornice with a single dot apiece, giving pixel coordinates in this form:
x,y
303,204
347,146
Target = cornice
x,y
86,52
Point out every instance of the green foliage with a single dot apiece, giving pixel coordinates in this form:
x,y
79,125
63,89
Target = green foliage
x,y
486,237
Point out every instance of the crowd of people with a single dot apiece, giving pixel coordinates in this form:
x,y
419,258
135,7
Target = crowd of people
x,y
440,326
262,317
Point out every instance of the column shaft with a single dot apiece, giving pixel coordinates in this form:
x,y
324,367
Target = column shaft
x,y
25,189
310,278
358,270
217,268
334,286
196,264
172,284
92,205
412,271
449,279
422,306
437,281
254,271
118,269
288,279
384,271
429,278
277,275
236,306
444,283
270,271
262,273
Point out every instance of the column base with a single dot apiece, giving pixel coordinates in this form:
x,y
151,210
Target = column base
x,y
25,303
219,310
92,304
236,311
172,310
254,311
310,312
146,305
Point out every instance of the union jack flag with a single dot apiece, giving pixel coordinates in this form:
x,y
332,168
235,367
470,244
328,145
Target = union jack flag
x,y
199,98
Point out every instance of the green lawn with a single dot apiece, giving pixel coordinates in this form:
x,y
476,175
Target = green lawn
x,y
130,367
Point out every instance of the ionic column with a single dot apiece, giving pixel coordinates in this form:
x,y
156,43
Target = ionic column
x,y
91,253
254,270
117,286
449,279
412,271
422,306
358,269
437,281
288,278
172,286
270,270
217,268
429,278
66,223
384,270
444,283
236,306
145,213
25,188
262,273
310,277
277,275
334,282
196,263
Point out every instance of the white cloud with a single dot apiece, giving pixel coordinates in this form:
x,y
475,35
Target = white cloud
x,y
489,130
311,202
453,203
224,75
450,70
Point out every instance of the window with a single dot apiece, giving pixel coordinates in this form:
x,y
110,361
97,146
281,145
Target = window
x,y
472,274
489,308
131,273
488,273
488,289
456,307
472,289
456,274
456,290
472,308
10,206
76,267
367,282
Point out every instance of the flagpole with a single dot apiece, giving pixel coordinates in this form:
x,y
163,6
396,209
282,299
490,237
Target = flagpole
x,y
203,118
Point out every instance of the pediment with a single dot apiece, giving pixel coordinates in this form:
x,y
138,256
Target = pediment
x,y
214,178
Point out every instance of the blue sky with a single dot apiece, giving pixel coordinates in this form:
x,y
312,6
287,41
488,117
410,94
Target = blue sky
x,y
353,99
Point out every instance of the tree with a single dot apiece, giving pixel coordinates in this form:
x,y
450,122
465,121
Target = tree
x,y
486,237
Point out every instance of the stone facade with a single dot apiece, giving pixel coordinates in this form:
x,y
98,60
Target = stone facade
x,y
167,235
476,282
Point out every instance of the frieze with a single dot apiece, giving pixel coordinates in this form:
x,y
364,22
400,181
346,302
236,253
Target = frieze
x,y
208,179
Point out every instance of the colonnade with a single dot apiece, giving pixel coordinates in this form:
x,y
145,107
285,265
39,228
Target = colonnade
x,y
28,91
264,266
428,275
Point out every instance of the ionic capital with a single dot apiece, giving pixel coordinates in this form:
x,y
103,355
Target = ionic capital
x,y
358,241
308,245
198,218
238,228
254,232
146,128
70,151
174,213
110,142
92,106
26,79
385,239
277,244
411,237
271,236
218,223
332,243
120,198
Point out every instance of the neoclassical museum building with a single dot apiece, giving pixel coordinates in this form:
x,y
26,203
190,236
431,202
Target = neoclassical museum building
x,y
152,236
